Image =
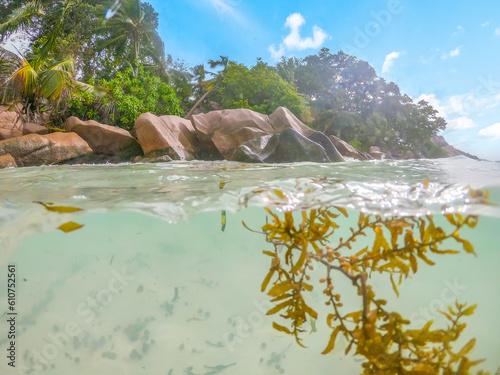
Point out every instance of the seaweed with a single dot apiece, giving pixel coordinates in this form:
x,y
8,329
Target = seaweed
x,y
68,227
379,336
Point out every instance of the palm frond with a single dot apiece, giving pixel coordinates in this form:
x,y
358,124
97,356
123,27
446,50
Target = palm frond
x,y
24,79
9,62
67,65
82,87
49,46
57,80
20,18
55,83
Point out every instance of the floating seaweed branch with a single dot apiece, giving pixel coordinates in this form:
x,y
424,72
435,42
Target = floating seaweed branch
x,y
379,335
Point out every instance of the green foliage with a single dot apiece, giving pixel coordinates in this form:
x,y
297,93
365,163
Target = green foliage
x,y
356,144
79,28
432,151
129,30
203,87
379,335
259,88
38,85
350,101
126,97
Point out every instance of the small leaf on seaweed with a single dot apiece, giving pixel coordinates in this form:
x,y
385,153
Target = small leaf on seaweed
x,y
59,209
70,226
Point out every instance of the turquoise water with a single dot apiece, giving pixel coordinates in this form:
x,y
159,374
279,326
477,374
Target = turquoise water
x,y
151,284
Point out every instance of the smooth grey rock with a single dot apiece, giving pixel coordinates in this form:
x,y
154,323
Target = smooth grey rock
x,y
346,149
332,152
288,147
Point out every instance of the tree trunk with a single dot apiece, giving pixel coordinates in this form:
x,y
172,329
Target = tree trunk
x,y
189,114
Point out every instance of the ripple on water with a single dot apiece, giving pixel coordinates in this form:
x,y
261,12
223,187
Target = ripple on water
x,y
176,190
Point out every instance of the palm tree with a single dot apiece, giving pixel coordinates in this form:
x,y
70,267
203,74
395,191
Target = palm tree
x,y
162,62
128,27
21,18
37,84
25,17
172,73
209,84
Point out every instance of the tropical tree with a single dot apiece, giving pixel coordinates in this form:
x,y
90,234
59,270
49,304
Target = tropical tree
x,y
38,85
26,16
102,36
259,88
349,100
57,29
208,85
18,15
129,27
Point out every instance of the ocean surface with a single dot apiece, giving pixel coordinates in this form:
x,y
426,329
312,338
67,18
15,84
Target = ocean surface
x,y
163,278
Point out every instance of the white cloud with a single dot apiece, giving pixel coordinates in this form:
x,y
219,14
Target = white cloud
x,y
460,123
485,24
460,30
294,41
276,54
471,102
492,131
457,103
389,61
434,102
453,53
497,31
226,10
426,60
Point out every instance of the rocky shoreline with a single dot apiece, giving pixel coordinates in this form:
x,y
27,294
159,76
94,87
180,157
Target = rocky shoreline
x,y
238,135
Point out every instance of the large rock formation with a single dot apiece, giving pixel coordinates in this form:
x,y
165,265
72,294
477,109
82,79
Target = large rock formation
x,y
346,149
34,149
10,133
233,134
105,139
287,147
220,132
449,149
166,135
375,153
10,127
7,118
282,118
330,149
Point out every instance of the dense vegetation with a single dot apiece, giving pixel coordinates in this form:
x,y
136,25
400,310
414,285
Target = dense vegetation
x,y
126,97
106,62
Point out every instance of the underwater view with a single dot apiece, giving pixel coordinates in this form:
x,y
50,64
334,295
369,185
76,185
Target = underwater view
x,y
161,270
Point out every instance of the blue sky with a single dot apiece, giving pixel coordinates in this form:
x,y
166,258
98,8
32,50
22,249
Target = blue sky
x,y
447,52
